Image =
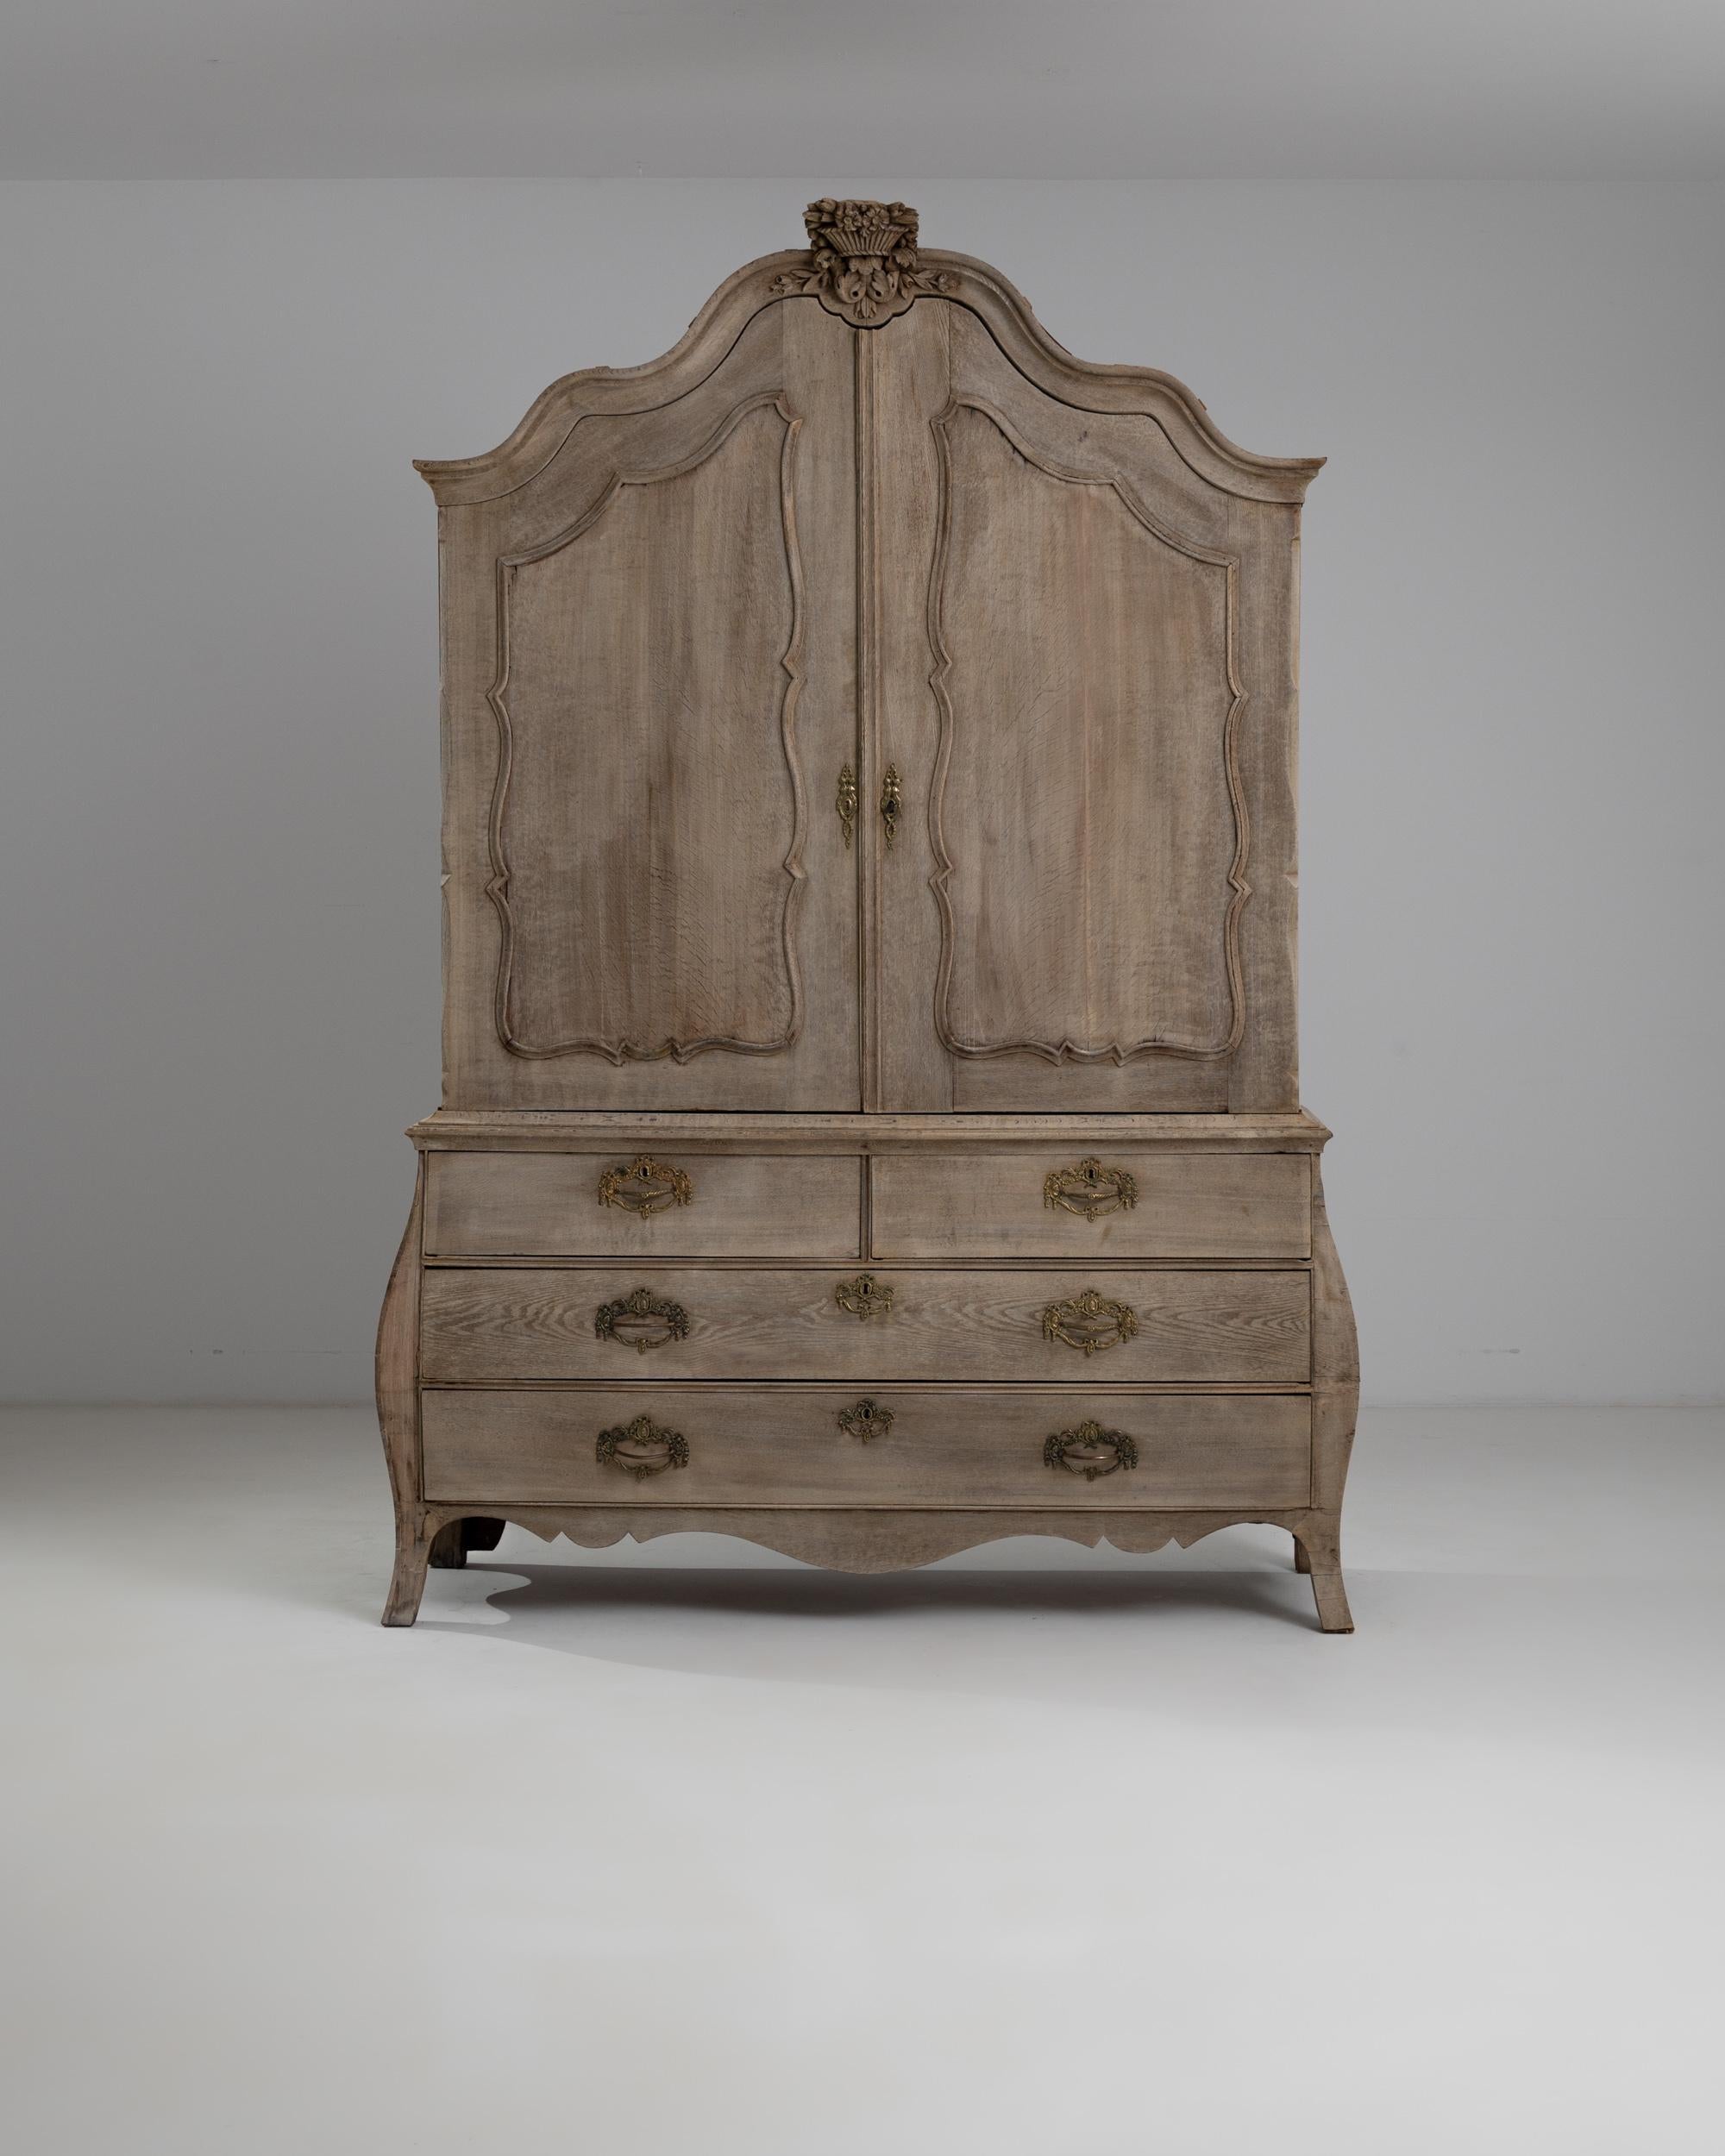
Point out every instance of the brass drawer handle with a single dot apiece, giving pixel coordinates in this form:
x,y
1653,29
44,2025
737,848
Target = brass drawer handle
x,y
1089,1321
1091,1450
641,1320
846,804
864,1297
867,1418
1090,1189
645,1185
642,1449
892,801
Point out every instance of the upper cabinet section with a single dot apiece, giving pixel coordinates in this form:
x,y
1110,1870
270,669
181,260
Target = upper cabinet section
x,y
869,705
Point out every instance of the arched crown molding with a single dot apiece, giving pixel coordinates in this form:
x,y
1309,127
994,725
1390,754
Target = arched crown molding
x,y
864,264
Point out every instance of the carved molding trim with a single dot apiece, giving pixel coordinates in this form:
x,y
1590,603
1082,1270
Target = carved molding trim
x,y
1117,1052
877,1540
989,294
863,262
620,1051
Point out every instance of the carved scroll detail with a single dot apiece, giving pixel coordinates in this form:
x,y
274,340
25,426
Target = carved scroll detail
x,y
863,261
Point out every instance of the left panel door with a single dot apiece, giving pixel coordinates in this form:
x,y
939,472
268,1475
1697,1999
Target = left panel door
x,y
649,696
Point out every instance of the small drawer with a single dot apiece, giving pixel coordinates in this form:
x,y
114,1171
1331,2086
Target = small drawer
x,y
503,1325
1019,1448
632,1205
1117,1202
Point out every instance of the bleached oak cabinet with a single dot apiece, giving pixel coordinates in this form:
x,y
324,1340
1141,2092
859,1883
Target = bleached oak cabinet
x,y
871,1122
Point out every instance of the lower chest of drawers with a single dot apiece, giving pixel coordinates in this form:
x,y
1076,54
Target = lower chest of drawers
x,y
734,1343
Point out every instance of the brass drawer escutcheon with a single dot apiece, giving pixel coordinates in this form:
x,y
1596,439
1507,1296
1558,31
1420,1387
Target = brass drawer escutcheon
x,y
864,1297
645,1185
1089,1322
865,1420
1090,1189
642,1449
846,804
892,801
1091,1450
641,1320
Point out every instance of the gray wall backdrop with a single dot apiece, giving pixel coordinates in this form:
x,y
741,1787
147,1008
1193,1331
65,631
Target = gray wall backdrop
x,y
219,848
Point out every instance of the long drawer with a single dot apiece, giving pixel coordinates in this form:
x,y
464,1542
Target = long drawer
x,y
623,1205
1119,1203
498,1326
1016,1447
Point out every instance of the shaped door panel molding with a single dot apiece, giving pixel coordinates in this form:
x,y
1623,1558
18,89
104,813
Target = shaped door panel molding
x,y
648,823
1086,686
1089,833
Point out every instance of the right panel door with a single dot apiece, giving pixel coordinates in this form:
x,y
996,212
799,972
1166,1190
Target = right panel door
x,y
1082,675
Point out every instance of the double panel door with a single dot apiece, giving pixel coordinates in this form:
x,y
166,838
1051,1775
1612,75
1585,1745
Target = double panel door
x,y
868,725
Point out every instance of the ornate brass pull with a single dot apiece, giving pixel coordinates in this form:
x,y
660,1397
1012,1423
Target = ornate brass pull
x,y
867,1418
864,1297
642,1449
846,803
1091,1450
641,1320
1089,1321
1090,1189
891,801
645,1186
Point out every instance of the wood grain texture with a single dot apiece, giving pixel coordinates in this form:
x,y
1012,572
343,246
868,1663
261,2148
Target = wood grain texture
x,y
753,1445
984,1204
505,1327
532,1205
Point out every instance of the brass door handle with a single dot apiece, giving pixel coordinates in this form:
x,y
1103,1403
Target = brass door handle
x,y
846,804
864,1297
1089,1321
645,1186
642,1449
1090,1451
867,1418
641,1320
892,801
1090,1189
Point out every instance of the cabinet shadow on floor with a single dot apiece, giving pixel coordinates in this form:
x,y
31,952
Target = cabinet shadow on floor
x,y
760,1623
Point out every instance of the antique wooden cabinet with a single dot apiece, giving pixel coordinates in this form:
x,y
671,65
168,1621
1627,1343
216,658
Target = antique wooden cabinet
x,y
870,1114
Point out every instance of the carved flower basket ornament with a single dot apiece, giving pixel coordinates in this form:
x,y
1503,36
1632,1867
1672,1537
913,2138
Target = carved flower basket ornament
x,y
863,261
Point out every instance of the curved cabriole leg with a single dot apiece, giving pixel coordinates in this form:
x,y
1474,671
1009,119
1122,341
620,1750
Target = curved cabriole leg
x,y
1317,1550
397,1406
413,1541
1335,1407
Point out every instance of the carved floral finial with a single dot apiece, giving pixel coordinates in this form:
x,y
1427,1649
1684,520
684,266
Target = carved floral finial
x,y
863,261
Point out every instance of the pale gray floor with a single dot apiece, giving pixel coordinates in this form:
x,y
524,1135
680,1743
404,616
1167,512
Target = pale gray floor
x,y
1045,1851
